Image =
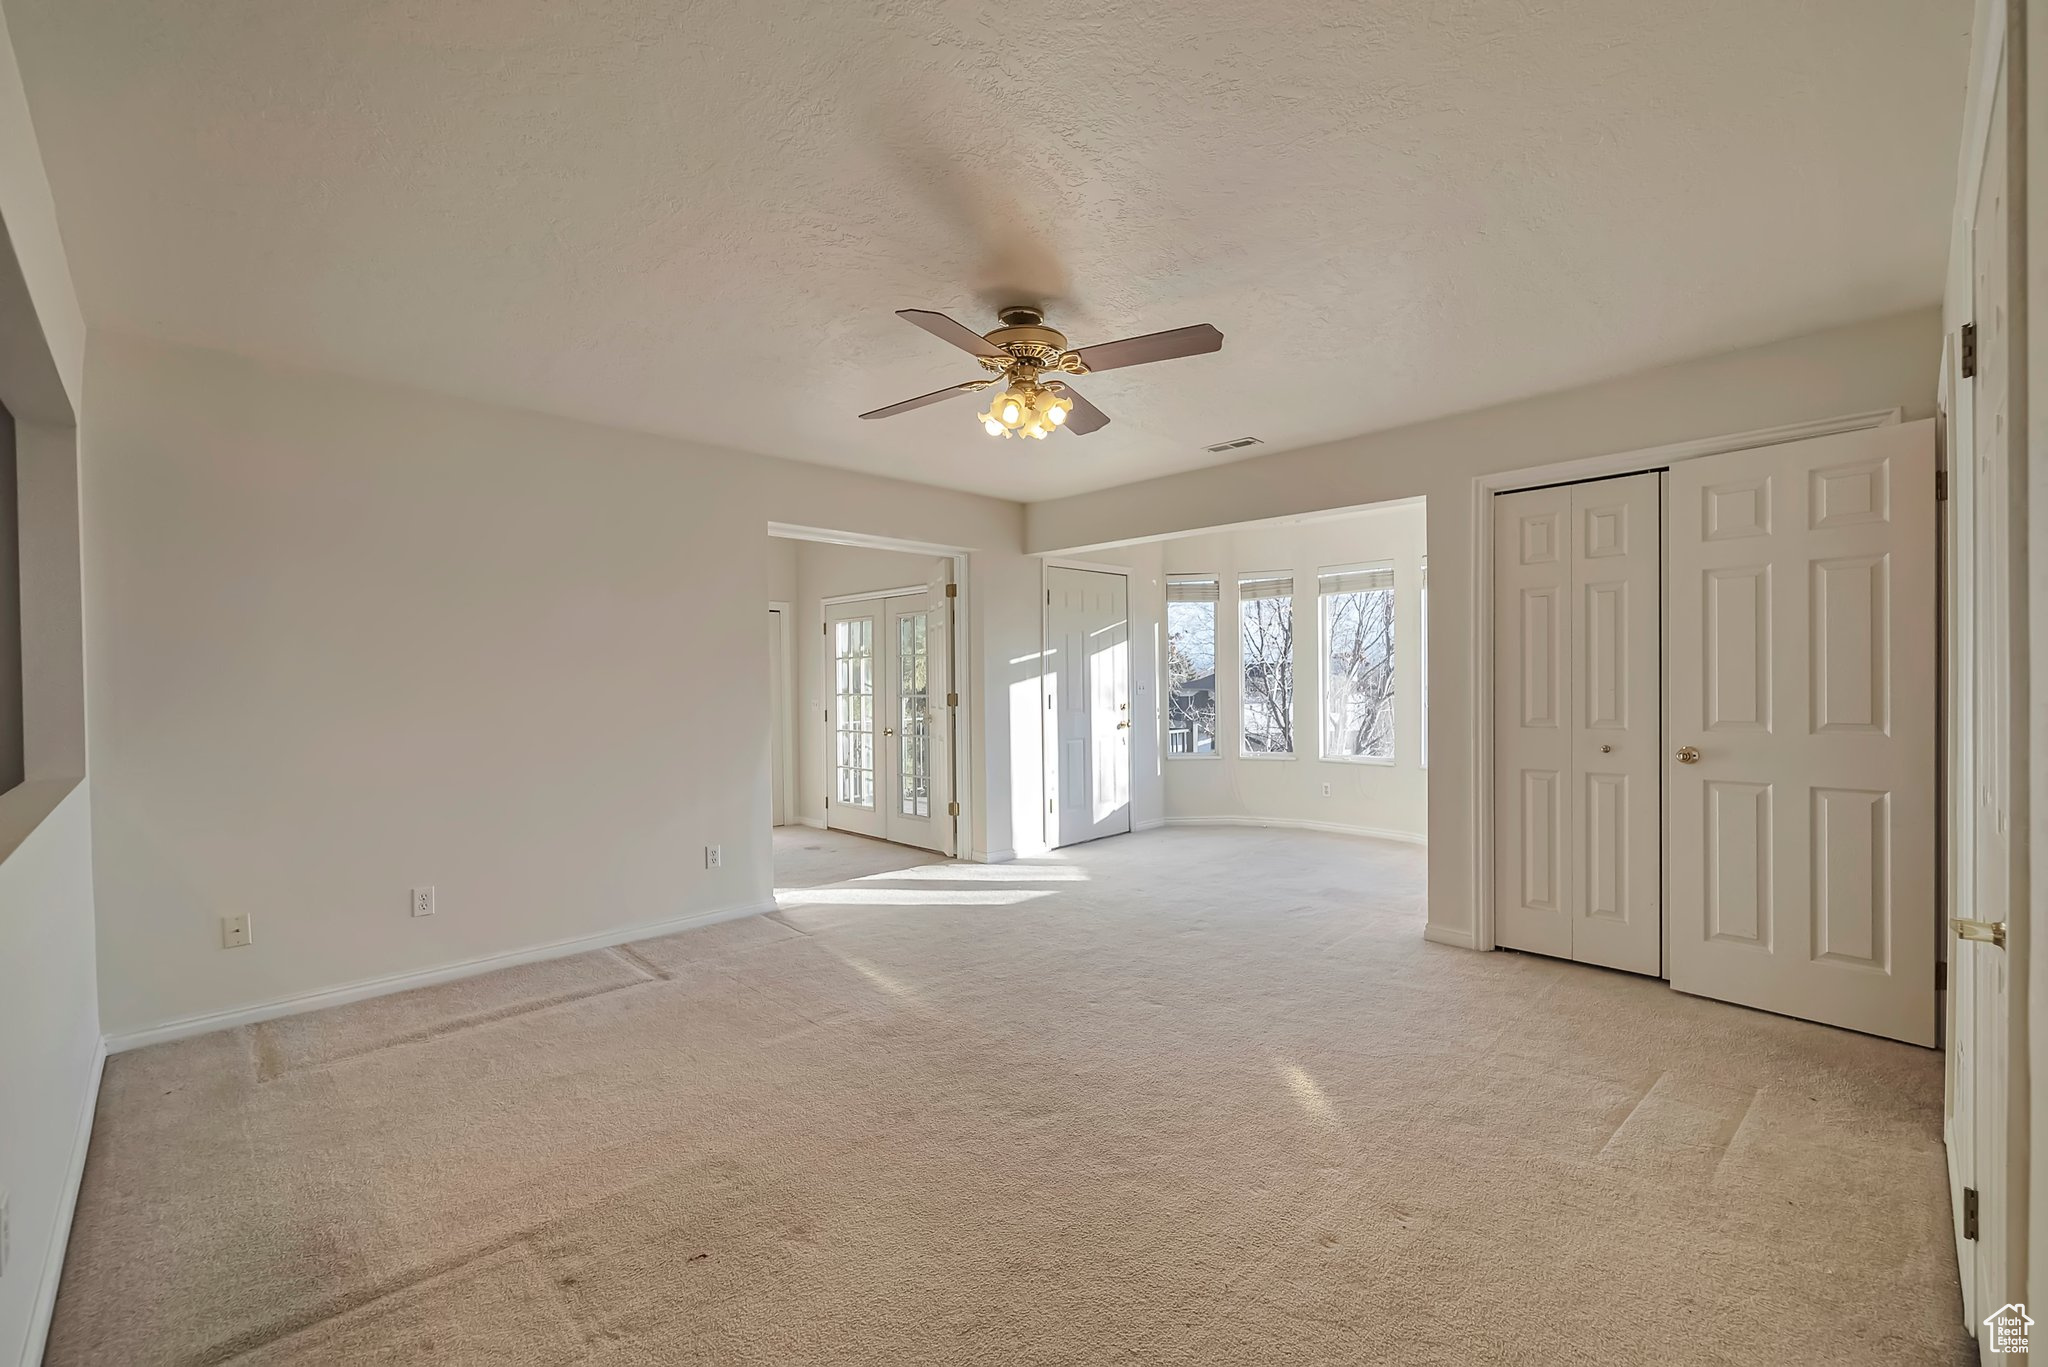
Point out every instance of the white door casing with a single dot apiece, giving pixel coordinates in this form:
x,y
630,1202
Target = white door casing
x,y
1577,696
1089,661
1802,672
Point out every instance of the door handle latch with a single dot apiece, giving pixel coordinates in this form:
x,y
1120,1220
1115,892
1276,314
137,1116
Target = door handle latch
x,y
1986,932
1688,755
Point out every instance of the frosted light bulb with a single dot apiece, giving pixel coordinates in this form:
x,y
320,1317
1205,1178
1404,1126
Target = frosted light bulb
x,y
1010,411
993,428
1057,416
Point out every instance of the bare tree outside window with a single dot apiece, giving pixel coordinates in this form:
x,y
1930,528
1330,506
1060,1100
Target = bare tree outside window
x,y
1266,641
1358,696
1191,668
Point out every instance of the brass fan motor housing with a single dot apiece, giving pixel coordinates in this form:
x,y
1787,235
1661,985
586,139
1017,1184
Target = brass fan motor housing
x,y
1025,336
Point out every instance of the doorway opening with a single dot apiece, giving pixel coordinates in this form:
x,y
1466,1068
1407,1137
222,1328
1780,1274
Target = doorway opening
x,y
872,711
1271,674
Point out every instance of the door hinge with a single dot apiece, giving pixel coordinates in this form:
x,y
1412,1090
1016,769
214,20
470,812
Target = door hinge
x,y
1941,975
1969,351
1048,597
1941,486
824,628
1969,1212
1048,806
952,700
952,809
952,590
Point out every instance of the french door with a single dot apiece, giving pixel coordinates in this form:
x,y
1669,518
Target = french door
x,y
890,774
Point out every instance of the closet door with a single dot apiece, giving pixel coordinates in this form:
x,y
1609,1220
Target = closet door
x,y
1577,699
1616,820
1803,652
1532,745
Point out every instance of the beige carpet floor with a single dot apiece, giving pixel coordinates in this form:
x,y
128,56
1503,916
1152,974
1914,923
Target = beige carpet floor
x,y
1184,1097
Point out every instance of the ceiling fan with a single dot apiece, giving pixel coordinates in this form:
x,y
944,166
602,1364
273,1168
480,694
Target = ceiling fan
x,y
1023,349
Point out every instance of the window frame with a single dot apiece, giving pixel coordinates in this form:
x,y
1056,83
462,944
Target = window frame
x,y
1294,683
1215,606
1393,591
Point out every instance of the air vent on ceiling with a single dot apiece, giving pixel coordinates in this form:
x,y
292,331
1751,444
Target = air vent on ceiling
x,y
1237,445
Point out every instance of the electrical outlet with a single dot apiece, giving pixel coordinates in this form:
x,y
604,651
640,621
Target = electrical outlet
x,y
234,931
423,901
714,856
1326,790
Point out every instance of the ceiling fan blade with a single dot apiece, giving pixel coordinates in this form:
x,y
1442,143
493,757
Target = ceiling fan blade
x,y
1153,346
972,386
1086,417
959,334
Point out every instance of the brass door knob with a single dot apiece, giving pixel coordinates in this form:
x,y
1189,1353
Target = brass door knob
x,y
1688,755
888,730
1606,749
1123,726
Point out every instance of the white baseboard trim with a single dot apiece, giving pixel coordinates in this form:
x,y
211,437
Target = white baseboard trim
x,y
1151,824
1283,823
992,856
1447,935
428,977
45,1304
812,822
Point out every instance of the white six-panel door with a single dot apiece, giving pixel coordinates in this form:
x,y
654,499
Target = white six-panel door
x,y
1576,697
1802,702
1088,635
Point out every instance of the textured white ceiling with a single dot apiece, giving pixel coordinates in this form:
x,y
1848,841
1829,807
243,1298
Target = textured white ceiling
x,y
696,219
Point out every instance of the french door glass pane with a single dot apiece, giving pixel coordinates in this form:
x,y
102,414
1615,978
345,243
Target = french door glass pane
x,y
913,728
854,666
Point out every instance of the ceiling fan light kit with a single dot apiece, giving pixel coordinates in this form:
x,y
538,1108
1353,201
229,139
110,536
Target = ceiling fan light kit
x,y
1023,350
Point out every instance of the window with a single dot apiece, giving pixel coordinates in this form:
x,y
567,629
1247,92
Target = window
x,y
1266,643
1358,662
1191,666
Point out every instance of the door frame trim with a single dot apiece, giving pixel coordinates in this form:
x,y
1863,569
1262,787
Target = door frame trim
x,y
969,769
1484,487
1047,745
838,598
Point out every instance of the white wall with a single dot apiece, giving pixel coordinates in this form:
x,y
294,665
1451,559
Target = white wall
x,y
1887,363
1379,799
828,571
49,1006
49,1037
346,638
781,580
